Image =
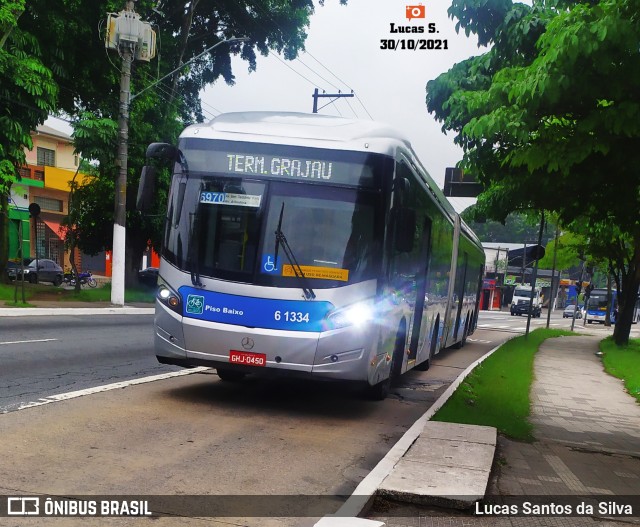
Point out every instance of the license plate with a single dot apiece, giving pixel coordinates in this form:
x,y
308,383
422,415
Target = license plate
x,y
249,359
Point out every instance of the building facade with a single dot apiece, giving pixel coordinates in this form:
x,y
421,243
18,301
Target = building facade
x,y
45,181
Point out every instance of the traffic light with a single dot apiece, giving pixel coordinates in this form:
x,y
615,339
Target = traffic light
x,y
587,291
578,287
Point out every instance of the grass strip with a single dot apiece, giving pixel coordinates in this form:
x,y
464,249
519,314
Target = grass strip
x,y
496,392
623,362
103,294
34,292
8,292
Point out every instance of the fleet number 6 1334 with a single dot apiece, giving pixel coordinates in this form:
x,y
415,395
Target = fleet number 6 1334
x,y
291,316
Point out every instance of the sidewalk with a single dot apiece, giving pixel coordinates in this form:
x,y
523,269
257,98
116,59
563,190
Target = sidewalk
x,y
587,449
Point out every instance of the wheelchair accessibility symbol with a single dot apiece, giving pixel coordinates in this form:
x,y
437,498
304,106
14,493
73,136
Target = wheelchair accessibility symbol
x,y
269,265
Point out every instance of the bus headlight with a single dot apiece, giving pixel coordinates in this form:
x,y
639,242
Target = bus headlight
x,y
354,315
169,297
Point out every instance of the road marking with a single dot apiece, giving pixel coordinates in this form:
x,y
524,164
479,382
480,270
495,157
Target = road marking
x,y
105,388
26,341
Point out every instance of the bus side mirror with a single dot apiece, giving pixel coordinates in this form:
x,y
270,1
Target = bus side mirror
x,y
162,151
146,188
405,230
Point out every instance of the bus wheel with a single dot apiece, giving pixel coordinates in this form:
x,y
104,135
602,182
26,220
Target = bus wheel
x,y
424,366
463,341
230,375
380,391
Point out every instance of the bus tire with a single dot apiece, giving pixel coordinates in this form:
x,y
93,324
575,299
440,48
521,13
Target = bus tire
x,y
380,391
424,366
230,375
460,344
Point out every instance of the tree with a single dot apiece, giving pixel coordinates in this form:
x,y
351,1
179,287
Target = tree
x,y
570,246
27,95
516,228
76,55
548,118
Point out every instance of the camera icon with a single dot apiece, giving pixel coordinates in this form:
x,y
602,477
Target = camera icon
x,y
415,11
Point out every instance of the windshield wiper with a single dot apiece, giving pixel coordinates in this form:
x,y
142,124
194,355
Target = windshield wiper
x,y
297,270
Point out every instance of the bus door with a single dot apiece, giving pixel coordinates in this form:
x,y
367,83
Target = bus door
x,y
424,252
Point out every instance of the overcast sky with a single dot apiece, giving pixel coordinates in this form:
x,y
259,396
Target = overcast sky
x,y
343,53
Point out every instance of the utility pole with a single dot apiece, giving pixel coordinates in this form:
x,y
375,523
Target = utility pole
x,y
133,39
578,288
120,213
317,96
535,275
554,287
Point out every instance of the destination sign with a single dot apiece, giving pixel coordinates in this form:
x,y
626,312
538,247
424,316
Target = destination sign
x,y
258,163
279,166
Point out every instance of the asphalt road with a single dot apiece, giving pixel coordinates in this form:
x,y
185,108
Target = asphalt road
x,y
195,434
46,355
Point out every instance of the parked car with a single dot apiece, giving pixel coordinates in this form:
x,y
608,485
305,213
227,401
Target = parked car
x,y
46,271
568,311
13,267
149,276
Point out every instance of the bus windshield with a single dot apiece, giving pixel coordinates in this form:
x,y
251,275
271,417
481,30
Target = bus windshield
x,y
225,228
598,302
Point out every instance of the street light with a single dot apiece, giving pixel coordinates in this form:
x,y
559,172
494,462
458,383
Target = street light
x,y
119,225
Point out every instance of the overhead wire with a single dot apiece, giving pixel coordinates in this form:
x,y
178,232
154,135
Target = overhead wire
x,y
340,80
165,95
267,14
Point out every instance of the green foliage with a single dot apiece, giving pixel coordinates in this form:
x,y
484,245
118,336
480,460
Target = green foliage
x,y
570,247
517,228
623,362
554,125
496,393
54,43
27,94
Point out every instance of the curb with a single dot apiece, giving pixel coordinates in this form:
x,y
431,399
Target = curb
x,y
362,497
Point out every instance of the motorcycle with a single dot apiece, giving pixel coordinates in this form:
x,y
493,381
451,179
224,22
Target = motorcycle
x,y
84,278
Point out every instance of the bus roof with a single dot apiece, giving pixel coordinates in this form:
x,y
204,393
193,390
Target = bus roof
x,y
317,131
311,130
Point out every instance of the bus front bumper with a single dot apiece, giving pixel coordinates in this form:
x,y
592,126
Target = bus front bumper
x,y
338,354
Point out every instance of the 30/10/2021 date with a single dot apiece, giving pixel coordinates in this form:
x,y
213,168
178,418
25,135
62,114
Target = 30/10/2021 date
x,y
422,43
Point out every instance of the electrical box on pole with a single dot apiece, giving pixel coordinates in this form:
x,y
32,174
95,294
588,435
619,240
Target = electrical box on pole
x,y
126,27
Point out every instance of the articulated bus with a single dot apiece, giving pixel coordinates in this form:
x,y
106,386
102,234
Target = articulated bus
x,y
308,245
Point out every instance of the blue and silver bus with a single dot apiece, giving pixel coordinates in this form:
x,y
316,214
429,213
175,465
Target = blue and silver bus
x,y
597,306
308,245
